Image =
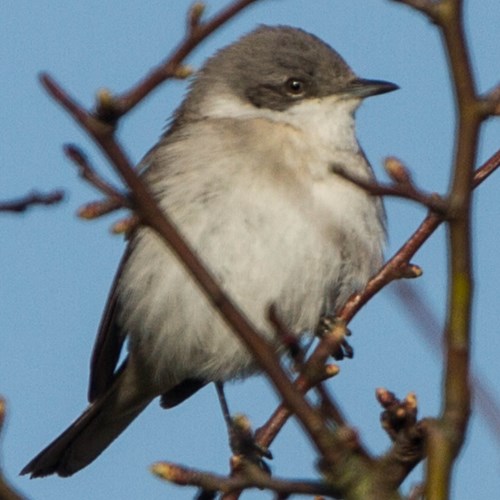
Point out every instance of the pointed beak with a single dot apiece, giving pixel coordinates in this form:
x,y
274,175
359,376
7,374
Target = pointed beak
x,y
362,88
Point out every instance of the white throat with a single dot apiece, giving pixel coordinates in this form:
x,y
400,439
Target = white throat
x,y
328,121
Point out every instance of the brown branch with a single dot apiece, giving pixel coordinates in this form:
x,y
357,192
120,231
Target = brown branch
x,y
252,477
391,271
197,31
446,434
399,420
31,199
403,189
89,174
151,215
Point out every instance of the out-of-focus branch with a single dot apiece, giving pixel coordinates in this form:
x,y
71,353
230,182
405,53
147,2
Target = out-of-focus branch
x,y
429,330
89,174
252,477
30,200
7,492
446,434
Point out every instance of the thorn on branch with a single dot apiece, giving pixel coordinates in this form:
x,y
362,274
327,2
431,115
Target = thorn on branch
x,y
244,446
34,198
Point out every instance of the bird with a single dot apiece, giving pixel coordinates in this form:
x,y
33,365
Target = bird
x,y
249,171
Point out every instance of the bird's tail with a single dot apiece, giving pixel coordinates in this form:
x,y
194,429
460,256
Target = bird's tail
x,y
86,438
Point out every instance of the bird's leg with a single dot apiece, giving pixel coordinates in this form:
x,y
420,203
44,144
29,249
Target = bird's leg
x,y
219,386
329,324
241,435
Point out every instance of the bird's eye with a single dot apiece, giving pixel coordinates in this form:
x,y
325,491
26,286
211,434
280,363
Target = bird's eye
x,y
295,87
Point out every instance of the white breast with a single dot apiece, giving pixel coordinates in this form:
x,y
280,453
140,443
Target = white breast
x,y
254,196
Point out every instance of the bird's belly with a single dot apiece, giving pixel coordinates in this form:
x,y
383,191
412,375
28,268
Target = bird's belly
x,y
263,250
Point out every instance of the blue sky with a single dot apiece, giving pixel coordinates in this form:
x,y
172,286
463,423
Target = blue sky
x,y
56,269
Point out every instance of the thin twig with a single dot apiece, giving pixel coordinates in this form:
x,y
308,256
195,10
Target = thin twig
x,y
89,174
388,273
406,191
196,33
446,434
253,478
30,200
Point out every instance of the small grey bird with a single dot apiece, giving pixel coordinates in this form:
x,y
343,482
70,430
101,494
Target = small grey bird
x,y
247,172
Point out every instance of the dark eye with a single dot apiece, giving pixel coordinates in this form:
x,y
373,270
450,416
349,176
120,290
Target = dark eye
x,y
295,87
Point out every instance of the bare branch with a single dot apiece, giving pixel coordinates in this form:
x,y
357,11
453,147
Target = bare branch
x,y
406,190
31,199
151,215
96,209
446,434
399,420
89,174
393,269
252,477
111,109
100,125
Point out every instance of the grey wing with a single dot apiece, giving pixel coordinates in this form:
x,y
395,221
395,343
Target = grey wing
x,y
108,343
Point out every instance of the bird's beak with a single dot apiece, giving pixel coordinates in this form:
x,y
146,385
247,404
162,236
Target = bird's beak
x,y
361,88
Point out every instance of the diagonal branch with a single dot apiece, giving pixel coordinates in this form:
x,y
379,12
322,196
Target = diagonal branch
x,y
115,107
388,273
151,215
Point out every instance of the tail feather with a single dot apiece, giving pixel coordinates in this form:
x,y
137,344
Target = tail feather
x,y
86,438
